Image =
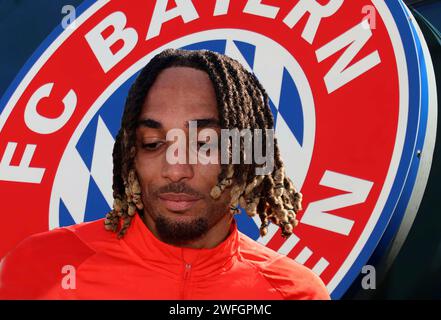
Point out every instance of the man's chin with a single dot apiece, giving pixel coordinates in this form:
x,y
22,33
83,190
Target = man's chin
x,y
180,228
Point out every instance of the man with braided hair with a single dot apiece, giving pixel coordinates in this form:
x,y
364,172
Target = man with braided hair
x,y
172,232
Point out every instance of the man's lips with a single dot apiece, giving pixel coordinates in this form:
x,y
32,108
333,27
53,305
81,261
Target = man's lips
x,y
178,201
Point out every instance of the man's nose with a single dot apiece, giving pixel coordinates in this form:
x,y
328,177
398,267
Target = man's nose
x,y
177,172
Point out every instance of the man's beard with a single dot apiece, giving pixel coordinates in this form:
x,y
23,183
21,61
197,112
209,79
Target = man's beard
x,y
182,231
179,232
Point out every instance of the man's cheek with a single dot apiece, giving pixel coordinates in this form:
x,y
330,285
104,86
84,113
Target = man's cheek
x,y
209,172
144,181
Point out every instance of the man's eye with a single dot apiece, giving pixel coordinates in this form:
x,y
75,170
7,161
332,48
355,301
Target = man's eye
x,y
152,146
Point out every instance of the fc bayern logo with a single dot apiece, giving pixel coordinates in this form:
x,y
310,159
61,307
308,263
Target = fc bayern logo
x,y
350,97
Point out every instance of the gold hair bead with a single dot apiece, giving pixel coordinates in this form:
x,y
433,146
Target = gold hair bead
x,y
251,207
254,184
287,228
139,204
250,213
275,220
136,188
278,192
117,204
230,171
279,176
263,231
132,210
215,192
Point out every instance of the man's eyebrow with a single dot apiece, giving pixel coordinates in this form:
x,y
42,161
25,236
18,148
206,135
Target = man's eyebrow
x,y
206,123
150,123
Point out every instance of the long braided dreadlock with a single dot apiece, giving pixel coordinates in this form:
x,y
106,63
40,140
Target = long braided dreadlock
x,y
242,103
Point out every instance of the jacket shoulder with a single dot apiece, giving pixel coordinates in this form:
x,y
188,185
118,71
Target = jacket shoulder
x,y
36,264
291,279
94,234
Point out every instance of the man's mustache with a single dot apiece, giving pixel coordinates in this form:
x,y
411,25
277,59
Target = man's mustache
x,y
178,187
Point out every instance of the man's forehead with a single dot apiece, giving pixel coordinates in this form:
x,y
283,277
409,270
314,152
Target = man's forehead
x,y
201,122
182,76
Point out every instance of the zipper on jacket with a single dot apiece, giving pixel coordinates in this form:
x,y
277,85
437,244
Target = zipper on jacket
x,y
186,277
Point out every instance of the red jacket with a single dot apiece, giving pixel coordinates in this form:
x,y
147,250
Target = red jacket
x,y
140,266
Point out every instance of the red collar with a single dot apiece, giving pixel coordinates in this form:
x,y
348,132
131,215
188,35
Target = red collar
x,y
171,258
